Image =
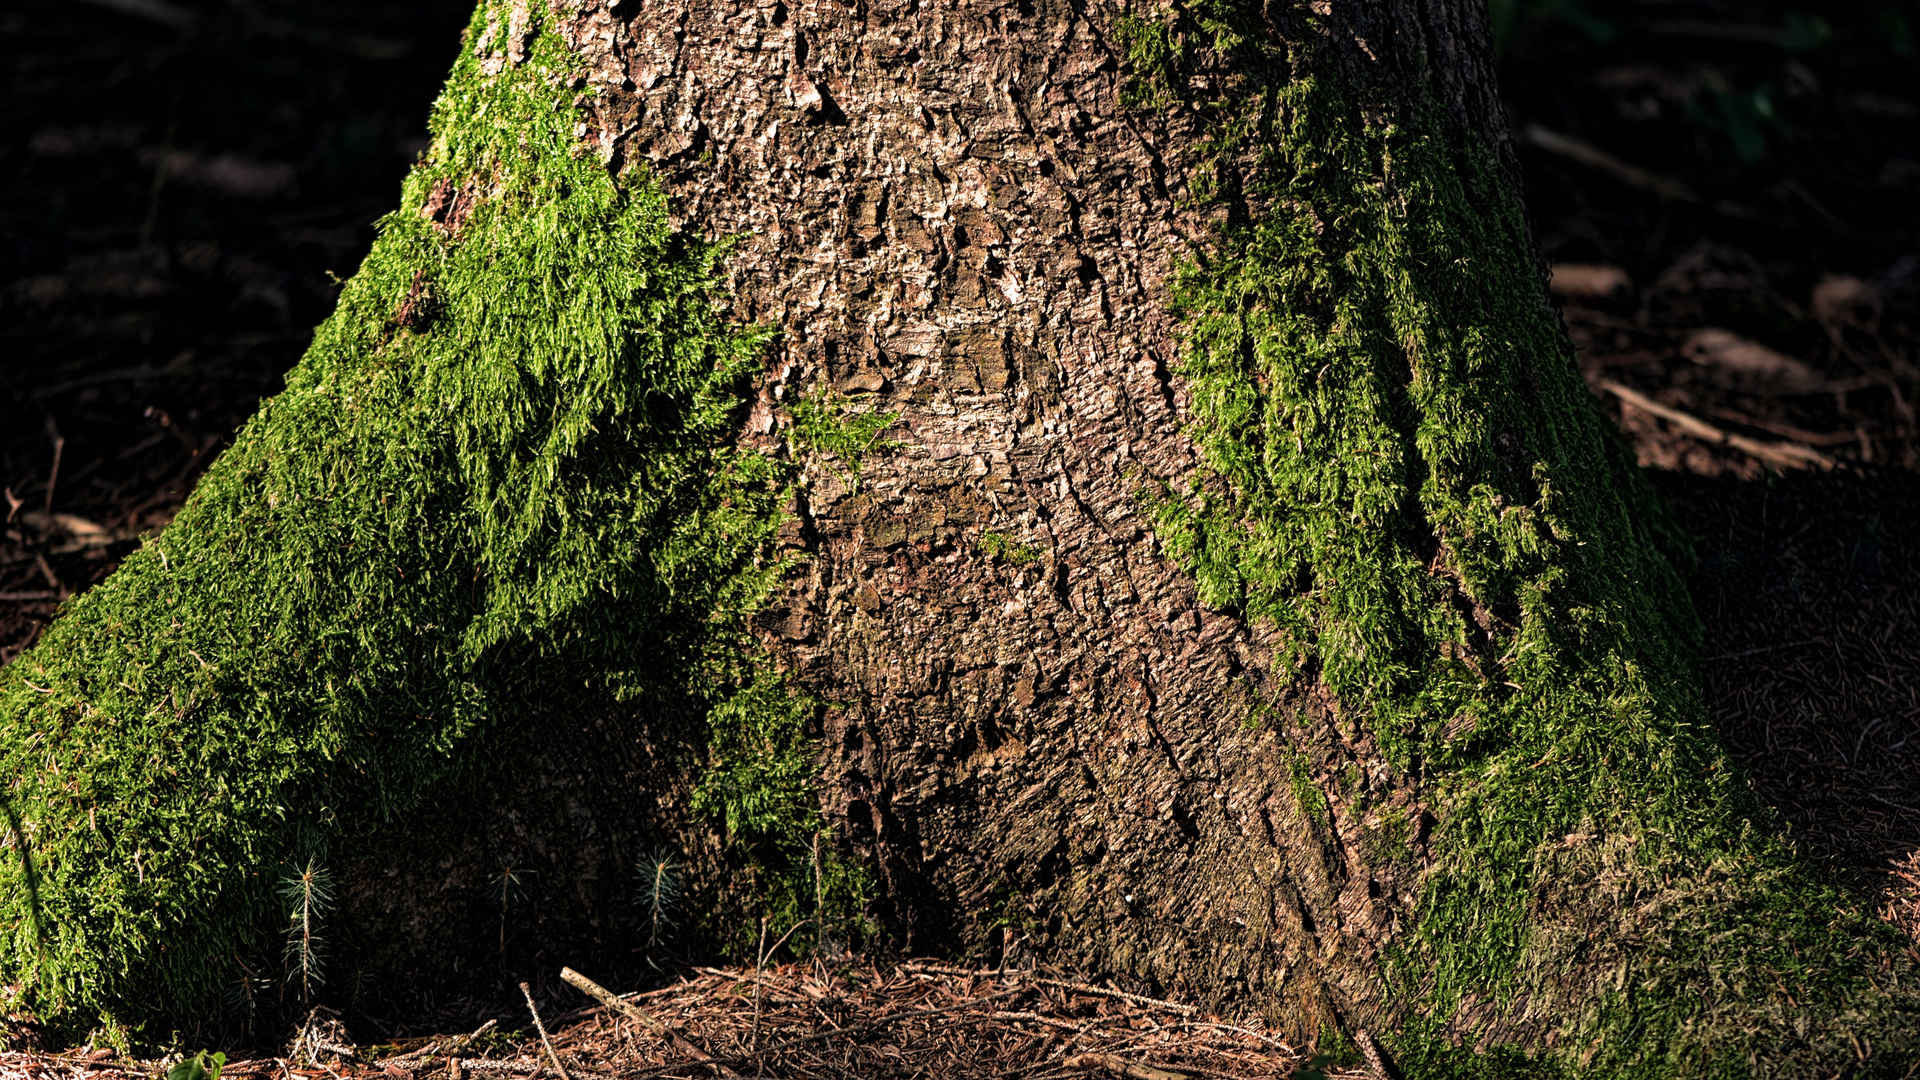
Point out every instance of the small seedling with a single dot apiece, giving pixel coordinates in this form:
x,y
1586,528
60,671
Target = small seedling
x,y
509,888
308,893
659,893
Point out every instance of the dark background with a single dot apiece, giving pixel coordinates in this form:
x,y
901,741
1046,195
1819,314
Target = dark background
x,y
179,203
1726,191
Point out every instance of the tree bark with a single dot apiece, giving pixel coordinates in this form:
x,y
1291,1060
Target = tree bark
x,y
1209,565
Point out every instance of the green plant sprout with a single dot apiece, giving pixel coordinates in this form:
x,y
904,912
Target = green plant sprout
x,y
659,893
201,1066
308,892
509,879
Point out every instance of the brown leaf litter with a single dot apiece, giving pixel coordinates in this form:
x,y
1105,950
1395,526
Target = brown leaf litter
x,y
800,1021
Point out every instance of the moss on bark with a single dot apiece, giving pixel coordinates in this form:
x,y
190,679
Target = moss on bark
x,y
1404,473
506,464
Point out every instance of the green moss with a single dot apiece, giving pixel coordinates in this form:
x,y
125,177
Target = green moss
x,y
1306,790
1404,474
758,784
826,423
1153,56
504,467
1003,548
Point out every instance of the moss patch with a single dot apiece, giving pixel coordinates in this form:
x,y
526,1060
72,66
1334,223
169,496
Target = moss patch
x,y
1000,547
759,785
1153,55
1404,474
826,424
505,465
1306,790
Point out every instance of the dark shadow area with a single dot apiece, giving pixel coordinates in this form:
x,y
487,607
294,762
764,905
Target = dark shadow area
x,y
1724,193
1809,587
568,840
178,191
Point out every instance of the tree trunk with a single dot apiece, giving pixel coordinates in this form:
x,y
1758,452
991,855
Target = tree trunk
x,y
1156,527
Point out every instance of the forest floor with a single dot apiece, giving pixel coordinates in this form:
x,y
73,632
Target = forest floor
x,y
1726,195
801,1021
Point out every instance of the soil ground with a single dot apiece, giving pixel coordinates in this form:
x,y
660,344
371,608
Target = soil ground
x,y
1725,192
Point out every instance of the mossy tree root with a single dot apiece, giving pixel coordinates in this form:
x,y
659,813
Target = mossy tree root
x,y
505,462
1405,475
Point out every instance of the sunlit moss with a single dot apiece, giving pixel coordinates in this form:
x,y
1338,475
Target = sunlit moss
x,y
828,426
506,461
1404,474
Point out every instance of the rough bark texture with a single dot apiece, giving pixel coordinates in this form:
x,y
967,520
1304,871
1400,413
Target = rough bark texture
x,y
1049,742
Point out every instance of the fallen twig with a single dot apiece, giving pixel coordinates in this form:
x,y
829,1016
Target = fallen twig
x,y
53,475
158,11
512,1065
1784,454
627,1008
1587,154
444,1046
527,993
1063,984
1128,1070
